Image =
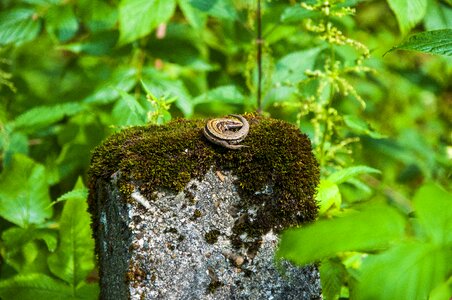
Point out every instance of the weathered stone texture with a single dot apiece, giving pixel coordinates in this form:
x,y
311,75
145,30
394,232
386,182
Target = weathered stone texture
x,y
162,248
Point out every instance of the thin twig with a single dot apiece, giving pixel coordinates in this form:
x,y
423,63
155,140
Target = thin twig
x,y
259,42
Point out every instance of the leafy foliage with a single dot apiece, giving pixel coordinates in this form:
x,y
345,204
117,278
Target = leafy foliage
x,y
74,72
408,13
434,42
418,262
23,185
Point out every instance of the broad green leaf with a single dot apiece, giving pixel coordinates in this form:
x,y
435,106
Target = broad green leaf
x,y
128,111
350,172
223,9
408,12
88,291
42,116
61,22
75,193
442,291
30,253
138,18
33,286
98,15
374,227
164,87
224,94
74,257
72,158
22,251
359,185
359,126
296,14
38,286
433,208
97,44
292,67
408,271
196,18
283,94
16,142
42,2
438,16
16,237
332,275
18,26
177,89
328,195
122,79
433,42
24,196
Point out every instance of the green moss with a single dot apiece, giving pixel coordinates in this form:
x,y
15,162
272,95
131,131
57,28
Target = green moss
x,y
213,286
211,237
196,214
278,159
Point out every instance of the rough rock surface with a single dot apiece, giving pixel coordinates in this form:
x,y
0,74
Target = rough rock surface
x,y
178,246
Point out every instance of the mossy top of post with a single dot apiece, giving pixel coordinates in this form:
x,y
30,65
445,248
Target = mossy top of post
x,y
278,158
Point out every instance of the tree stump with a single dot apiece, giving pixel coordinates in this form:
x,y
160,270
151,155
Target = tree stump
x,y
176,217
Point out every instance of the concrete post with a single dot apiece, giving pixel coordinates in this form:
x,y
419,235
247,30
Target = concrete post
x,y
175,217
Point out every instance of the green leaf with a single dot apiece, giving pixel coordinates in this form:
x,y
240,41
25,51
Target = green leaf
x,y
21,250
98,16
18,26
122,79
194,17
24,197
433,206
44,3
88,291
61,22
164,87
41,287
224,94
72,158
75,193
408,12
374,227
138,18
128,111
33,286
296,14
442,291
346,174
408,271
360,126
74,258
332,274
16,142
433,42
96,44
291,67
438,16
223,9
280,94
359,185
43,116
328,195
15,237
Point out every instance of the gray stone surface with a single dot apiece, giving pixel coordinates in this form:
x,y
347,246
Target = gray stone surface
x,y
178,246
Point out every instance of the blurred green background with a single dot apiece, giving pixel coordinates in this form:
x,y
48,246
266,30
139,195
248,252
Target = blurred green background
x,y
72,72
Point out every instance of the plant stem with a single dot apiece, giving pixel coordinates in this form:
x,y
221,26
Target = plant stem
x,y
259,42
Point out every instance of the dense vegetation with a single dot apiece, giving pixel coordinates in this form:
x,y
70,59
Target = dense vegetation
x,y
73,72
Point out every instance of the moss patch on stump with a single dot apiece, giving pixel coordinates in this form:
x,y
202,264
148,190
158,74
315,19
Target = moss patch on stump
x,y
277,173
